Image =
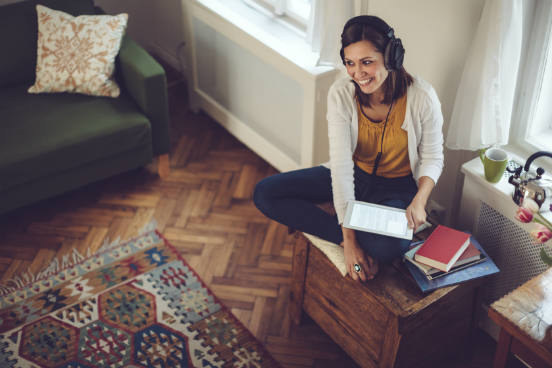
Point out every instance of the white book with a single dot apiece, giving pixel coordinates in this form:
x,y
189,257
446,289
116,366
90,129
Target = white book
x,y
378,219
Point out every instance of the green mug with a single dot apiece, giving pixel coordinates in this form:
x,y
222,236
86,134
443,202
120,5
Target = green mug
x,y
494,163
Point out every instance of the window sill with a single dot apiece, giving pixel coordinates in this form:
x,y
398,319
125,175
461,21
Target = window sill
x,y
268,30
503,189
474,169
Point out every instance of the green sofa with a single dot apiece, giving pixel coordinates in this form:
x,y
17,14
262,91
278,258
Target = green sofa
x,y
52,143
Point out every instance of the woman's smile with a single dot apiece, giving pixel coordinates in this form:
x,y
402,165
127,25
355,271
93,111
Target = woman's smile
x,y
363,82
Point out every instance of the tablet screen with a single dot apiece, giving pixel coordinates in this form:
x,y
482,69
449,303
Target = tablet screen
x,y
377,219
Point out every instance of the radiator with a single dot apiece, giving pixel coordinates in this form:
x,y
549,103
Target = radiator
x,y
251,83
511,248
487,210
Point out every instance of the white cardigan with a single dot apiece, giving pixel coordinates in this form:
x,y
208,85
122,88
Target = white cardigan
x,y
423,123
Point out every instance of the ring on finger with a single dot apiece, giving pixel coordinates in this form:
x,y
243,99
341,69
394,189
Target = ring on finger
x,y
357,268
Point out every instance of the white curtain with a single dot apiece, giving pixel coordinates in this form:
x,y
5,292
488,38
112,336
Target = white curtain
x,y
326,21
483,108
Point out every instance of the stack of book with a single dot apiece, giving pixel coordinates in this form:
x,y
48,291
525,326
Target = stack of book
x,y
447,257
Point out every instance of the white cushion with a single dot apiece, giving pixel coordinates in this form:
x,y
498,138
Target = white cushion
x,y
333,251
77,54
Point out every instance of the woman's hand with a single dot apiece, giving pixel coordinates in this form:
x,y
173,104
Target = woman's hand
x,y
415,214
355,255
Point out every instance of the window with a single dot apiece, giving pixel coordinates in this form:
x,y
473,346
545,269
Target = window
x,y
531,128
540,129
294,12
298,9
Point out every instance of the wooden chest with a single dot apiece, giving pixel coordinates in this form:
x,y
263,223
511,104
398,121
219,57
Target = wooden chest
x,y
386,322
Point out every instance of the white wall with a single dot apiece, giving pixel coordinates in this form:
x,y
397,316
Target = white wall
x,y
156,25
436,35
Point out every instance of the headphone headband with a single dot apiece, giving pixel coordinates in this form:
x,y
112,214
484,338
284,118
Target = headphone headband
x,y
373,21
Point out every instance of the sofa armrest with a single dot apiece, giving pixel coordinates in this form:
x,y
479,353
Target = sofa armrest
x,y
146,82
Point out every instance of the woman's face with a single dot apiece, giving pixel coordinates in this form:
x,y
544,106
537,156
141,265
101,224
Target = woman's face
x,y
365,65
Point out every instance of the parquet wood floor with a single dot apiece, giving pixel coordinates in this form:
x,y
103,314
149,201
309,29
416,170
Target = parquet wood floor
x,y
205,209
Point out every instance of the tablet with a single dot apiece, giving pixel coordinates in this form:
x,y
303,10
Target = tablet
x,y
378,219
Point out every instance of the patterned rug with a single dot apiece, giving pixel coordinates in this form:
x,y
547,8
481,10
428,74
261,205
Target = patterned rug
x,y
138,304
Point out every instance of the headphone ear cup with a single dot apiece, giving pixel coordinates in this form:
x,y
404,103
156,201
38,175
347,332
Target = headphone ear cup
x,y
394,54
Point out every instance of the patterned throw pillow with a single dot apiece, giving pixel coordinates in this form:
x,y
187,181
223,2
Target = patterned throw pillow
x,y
77,54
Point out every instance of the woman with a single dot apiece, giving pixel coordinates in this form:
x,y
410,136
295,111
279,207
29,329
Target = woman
x,y
386,147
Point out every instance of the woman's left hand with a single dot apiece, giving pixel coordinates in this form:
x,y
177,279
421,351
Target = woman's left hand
x,y
415,213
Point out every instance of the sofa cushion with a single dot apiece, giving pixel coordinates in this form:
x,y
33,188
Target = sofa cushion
x,y
77,54
19,34
44,134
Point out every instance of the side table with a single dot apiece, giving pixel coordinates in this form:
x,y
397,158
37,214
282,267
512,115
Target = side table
x,y
525,320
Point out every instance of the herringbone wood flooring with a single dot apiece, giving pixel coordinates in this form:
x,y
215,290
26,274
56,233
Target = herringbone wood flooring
x,y
205,209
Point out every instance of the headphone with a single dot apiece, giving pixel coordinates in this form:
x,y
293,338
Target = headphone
x,y
393,54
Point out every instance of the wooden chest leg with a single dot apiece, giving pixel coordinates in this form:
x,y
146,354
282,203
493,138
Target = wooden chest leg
x,y
163,166
299,271
391,343
469,349
502,349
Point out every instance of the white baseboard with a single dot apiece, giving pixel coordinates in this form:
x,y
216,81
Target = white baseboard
x,y
256,142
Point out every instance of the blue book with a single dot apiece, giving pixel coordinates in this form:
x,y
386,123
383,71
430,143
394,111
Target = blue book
x,y
481,269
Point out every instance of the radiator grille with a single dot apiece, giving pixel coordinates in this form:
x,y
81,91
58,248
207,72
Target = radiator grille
x,y
511,248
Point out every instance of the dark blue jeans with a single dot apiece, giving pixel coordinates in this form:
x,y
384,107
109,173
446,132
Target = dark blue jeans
x,y
290,198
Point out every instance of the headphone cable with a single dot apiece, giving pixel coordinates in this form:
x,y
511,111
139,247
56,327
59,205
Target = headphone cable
x,y
378,157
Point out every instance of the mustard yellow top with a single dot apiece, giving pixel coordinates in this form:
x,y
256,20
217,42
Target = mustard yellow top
x,y
394,160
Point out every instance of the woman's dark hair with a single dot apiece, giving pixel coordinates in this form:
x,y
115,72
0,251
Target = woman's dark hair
x,y
397,81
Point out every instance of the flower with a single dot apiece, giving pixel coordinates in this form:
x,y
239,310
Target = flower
x,y
542,229
541,234
530,204
524,215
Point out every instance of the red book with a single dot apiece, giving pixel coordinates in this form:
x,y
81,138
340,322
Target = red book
x,y
442,248
470,254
